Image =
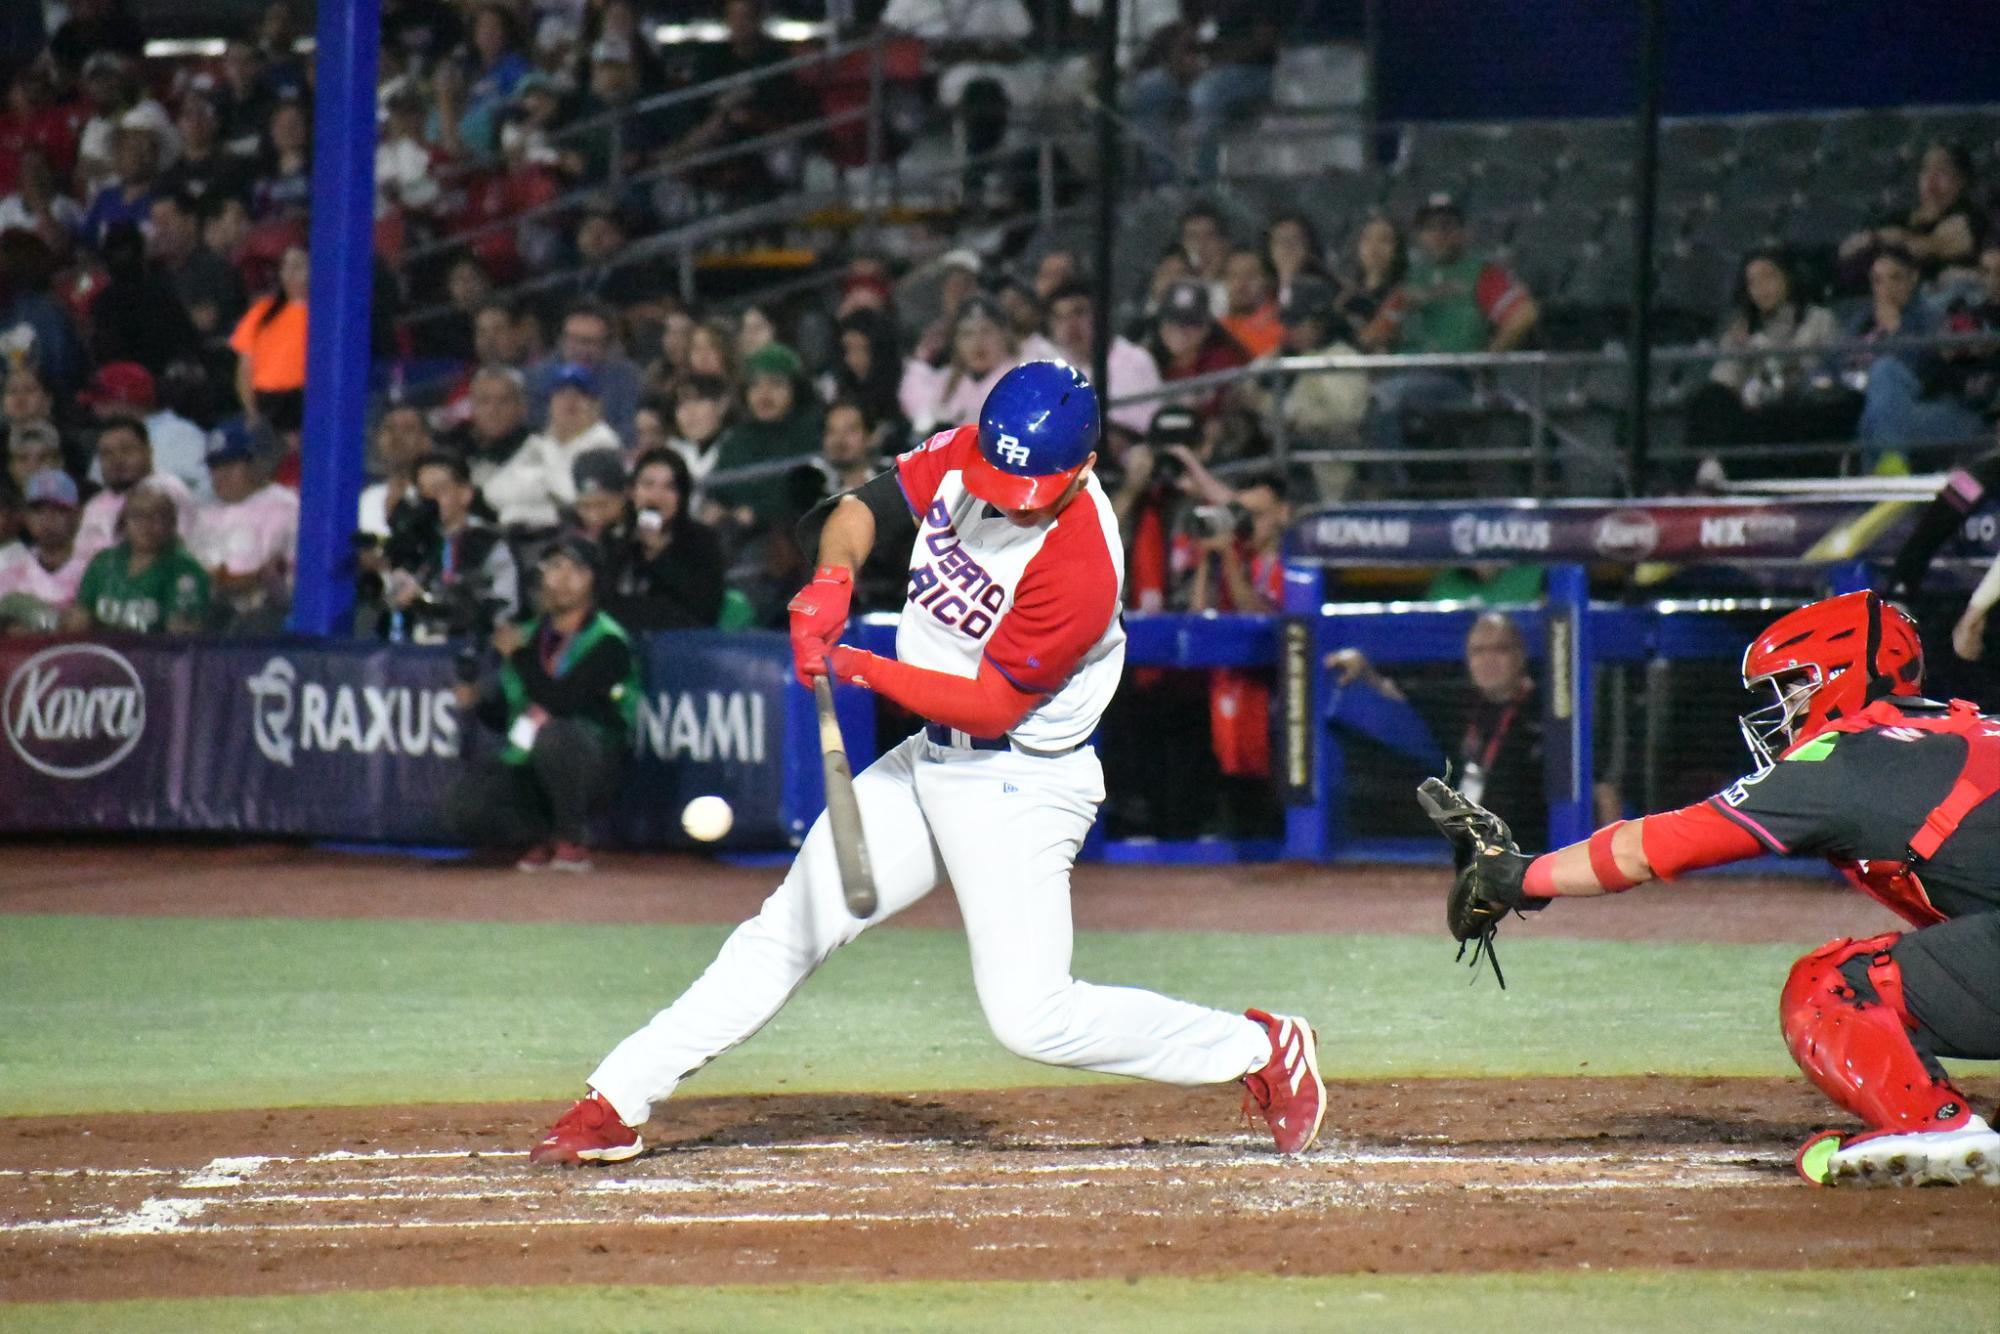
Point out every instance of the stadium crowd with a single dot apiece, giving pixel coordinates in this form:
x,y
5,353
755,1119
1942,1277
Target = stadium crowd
x,y
154,305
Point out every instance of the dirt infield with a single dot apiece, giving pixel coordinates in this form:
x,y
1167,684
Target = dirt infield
x,y
277,880
1127,1180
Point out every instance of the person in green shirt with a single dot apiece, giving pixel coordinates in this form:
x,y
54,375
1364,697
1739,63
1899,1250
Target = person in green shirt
x,y
147,583
780,422
1451,301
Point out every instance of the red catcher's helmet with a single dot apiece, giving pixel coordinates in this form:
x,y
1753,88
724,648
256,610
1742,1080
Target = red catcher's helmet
x,y
1825,662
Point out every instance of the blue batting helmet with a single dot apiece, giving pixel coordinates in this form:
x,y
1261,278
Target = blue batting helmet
x,y
1037,427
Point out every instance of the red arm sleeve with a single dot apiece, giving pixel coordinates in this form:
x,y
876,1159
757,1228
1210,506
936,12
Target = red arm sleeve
x,y
984,707
1693,837
1498,293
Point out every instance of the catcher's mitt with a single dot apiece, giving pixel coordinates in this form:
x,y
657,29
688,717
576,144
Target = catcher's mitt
x,y
1489,868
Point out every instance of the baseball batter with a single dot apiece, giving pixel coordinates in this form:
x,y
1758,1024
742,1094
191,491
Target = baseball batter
x,y
1897,792
1010,645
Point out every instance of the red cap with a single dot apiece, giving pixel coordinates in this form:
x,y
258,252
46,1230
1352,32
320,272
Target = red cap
x,y
120,384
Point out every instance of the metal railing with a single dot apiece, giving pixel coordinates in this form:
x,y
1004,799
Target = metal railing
x,y
1531,393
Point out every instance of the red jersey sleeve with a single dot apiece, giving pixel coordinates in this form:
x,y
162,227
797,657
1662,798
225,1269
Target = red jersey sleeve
x,y
922,469
1498,292
1066,599
1693,837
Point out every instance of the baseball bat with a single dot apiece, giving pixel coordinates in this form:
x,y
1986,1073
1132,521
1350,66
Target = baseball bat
x,y
857,877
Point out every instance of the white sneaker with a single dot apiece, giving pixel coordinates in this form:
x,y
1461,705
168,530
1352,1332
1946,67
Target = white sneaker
x,y
1967,1156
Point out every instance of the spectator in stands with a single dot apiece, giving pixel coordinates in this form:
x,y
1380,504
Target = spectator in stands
x,y
977,45
564,699
599,480
527,130
1188,342
127,198
281,182
126,391
146,583
500,337
958,275
494,64
117,102
245,538
33,327
1768,401
496,427
463,579
401,438
621,23
1205,245
1236,48
590,339
780,422
754,332
529,490
277,39
600,240
703,412
652,427
125,463
614,83
1452,300
1321,409
35,592
1022,310
742,112
1943,230
1129,368
982,349
406,177
1380,263
225,227
1292,247
712,352
866,368
137,315
1249,306
244,98
1902,405
92,26
676,336
206,285
663,571
1972,374
38,205
27,415
32,447
417,34
1057,268
204,170
35,123
270,346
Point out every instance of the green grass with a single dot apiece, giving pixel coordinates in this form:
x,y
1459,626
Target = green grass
x,y
128,1014
1939,1299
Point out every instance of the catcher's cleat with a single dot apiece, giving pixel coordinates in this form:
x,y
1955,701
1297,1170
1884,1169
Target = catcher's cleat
x,y
536,858
1288,1089
573,857
1967,1156
589,1132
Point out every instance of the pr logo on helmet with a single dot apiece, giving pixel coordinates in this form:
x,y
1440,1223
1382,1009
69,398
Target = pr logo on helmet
x,y
1010,448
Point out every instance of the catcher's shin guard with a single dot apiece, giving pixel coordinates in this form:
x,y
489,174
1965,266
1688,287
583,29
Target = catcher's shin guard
x,y
1845,1022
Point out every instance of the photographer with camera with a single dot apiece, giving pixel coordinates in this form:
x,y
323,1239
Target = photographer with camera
x,y
441,573
1151,484
662,570
564,698
1233,555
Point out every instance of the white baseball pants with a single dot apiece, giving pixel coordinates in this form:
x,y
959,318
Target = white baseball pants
x,y
1005,828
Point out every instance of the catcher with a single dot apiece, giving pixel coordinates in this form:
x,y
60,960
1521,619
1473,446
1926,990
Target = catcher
x,y
1894,790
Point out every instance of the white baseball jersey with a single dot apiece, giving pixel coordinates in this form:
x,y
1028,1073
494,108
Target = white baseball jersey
x,y
1040,603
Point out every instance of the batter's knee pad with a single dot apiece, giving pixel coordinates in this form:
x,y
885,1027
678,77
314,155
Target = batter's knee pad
x,y
1845,1023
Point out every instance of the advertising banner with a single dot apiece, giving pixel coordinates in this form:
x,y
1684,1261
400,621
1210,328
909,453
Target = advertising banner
x,y
360,741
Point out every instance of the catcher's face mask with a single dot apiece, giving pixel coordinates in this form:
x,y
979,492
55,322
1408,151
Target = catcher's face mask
x,y
1769,731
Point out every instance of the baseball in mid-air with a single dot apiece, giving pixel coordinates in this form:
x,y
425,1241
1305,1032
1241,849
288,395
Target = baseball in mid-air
x,y
707,818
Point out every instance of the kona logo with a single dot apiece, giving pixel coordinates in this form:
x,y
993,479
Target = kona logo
x,y
1011,449
74,711
1626,535
1471,534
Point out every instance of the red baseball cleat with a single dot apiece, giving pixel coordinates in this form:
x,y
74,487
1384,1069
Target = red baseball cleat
x,y
535,858
569,857
1288,1089
589,1132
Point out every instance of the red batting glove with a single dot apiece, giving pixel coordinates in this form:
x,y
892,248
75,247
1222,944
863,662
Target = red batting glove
x,y
819,614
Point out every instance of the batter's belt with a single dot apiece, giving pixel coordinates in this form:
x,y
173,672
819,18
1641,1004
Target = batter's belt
x,y
950,737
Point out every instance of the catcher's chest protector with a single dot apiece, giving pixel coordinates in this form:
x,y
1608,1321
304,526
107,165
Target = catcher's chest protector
x,y
1895,885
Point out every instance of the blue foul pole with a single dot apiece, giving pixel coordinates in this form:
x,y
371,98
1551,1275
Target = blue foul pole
x,y
337,352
